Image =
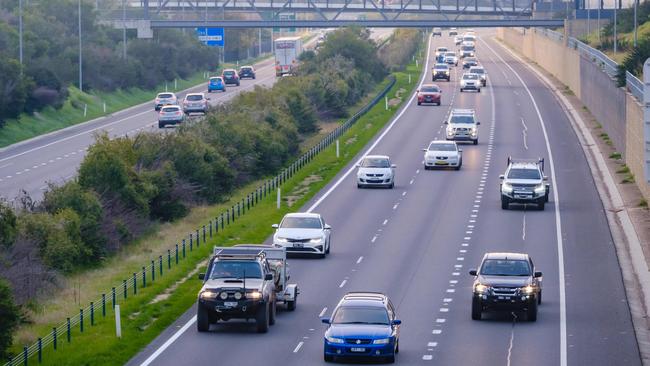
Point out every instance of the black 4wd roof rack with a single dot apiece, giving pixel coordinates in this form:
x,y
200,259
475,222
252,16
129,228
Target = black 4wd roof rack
x,y
239,253
538,161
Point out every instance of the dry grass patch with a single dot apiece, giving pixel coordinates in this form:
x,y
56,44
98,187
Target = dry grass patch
x,y
301,189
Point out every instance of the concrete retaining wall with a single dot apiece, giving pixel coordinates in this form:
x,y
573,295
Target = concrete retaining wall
x,y
616,110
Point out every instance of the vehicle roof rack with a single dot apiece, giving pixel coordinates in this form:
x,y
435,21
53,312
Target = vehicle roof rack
x,y
538,161
462,111
239,253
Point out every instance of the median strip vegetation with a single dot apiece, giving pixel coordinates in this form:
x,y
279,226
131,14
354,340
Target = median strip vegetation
x,y
157,178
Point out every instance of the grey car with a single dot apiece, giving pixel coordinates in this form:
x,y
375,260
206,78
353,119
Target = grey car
x,y
195,103
170,115
163,99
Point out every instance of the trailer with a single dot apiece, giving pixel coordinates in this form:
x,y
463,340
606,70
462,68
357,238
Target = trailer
x,y
287,50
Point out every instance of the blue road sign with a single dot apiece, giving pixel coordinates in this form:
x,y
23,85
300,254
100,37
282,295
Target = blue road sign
x,y
211,36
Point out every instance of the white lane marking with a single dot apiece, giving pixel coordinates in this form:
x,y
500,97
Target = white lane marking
x,y
455,273
6,165
451,290
436,331
343,283
427,357
378,140
373,239
447,299
523,230
441,320
432,344
395,207
524,132
411,182
359,260
295,350
322,312
512,338
171,340
444,310
404,193
385,222
558,217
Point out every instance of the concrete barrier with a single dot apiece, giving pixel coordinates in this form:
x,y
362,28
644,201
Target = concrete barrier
x,y
615,109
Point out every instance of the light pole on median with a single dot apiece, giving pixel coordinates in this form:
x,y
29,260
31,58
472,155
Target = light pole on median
x,y
636,22
124,29
81,88
615,34
20,34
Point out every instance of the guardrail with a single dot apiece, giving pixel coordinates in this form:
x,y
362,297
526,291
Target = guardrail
x,y
634,85
556,36
609,66
158,266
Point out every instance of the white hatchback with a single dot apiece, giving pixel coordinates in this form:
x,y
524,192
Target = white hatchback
x,y
376,171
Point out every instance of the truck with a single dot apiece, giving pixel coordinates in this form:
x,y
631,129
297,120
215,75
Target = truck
x,y
287,50
245,282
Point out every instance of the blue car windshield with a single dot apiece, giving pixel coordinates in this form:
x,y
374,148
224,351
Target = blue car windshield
x,y
360,315
235,269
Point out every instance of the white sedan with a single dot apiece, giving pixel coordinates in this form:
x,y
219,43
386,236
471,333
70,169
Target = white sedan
x,y
470,82
305,233
376,171
442,154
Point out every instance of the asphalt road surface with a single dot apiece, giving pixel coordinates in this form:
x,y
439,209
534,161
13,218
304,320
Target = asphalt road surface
x,y
417,242
56,157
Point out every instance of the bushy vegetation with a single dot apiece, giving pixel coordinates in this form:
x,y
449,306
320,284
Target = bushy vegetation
x,y
51,51
127,185
633,62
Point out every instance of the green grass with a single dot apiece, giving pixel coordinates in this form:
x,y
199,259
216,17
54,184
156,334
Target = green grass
x,y
72,111
643,203
623,170
144,320
615,155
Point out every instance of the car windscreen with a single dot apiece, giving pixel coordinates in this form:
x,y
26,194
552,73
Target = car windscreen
x,y
470,76
477,71
165,95
462,119
470,60
429,89
505,267
229,73
442,49
360,315
194,98
301,223
442,147
523,174
235,269
215,80
441,67
375,163
467,48
170,109
450,54
245,69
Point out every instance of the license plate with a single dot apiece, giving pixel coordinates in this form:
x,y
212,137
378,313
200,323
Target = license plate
x,y
298,245
441,163
230,304
504,297
357,349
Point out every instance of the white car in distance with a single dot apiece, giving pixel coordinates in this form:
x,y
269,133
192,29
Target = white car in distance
x,y
304,233
480,71
443,154
470,81
376,171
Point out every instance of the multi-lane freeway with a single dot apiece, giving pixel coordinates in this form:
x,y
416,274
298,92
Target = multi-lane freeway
x,y
55,157
417,242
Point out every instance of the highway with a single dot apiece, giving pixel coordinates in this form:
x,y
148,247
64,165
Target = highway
x,y
55,157
417,242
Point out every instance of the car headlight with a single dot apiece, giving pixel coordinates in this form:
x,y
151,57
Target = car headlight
x,y
479,288
334,340
237,295
223,295
540,189
209,295
381,341
528,290
474,131
281,239
506,187
254,295
316,240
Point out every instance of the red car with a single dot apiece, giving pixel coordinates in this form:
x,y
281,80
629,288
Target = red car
x,y
429,93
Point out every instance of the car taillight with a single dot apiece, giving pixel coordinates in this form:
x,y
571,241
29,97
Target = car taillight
x,y
178,113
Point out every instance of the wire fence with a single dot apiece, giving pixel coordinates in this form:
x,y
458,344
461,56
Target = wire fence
x,y
144,277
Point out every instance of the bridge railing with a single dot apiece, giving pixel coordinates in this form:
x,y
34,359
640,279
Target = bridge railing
x,y
634,85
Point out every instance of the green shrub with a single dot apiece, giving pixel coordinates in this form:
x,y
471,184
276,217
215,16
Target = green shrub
x,y
9,319
8,228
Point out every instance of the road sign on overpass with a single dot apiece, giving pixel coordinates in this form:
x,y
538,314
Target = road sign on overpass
x,y
211,36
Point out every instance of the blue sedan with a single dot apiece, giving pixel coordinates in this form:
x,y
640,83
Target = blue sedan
x,y
363,325
216,83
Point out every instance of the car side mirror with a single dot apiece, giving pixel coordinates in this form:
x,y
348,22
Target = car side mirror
x,y
545,177
538,274
268,277
502,177
460,150
275,226
472,272
208,99
445,123
393,166
327,227
325,320
425,150
417,90
478,123
440,91
358,165
201,276
397,322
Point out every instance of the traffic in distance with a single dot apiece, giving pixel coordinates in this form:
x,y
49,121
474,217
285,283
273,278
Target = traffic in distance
x,y
249,281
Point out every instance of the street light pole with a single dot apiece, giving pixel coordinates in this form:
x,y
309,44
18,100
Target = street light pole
x,y
636,22
81,88
124,29
615,34
20,34
588,17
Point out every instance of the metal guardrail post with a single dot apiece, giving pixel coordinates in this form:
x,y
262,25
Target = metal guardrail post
x,y
54,340
104,305
191,242
210,228
198,238
160,265
69,335
135,283
183,248
81,320
125,291
144,277
169,259
40,350
92,314
153,270
25,355
114,297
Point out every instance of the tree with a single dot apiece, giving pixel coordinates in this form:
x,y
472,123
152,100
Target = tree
x,y
9,319
7,225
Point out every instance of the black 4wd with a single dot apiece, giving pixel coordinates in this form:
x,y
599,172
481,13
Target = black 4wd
x,y
507,282
239,284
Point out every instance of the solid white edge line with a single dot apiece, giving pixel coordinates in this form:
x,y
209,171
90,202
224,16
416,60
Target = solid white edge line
x,y
381,137
558,218
171,340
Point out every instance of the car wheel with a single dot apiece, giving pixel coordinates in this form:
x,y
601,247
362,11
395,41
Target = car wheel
x,y
390,359
328,358
419,103
479,90
539,297
476,142
392,185
439,103
460,163
461,90
531,314
202,319
426,167
397,347
359,185
291,305
262,319
272,312
161,125
504,203
540,206
476,309
327,249
253,77
546,197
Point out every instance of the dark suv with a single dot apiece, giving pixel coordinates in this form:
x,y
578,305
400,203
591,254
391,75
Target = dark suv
x,y
440,71
238,284
246,72
230,76
507,282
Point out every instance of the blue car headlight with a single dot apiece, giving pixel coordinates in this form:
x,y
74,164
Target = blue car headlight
x,y
334,340
381,341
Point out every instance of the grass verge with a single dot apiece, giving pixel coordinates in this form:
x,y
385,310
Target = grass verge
x,y
146,315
